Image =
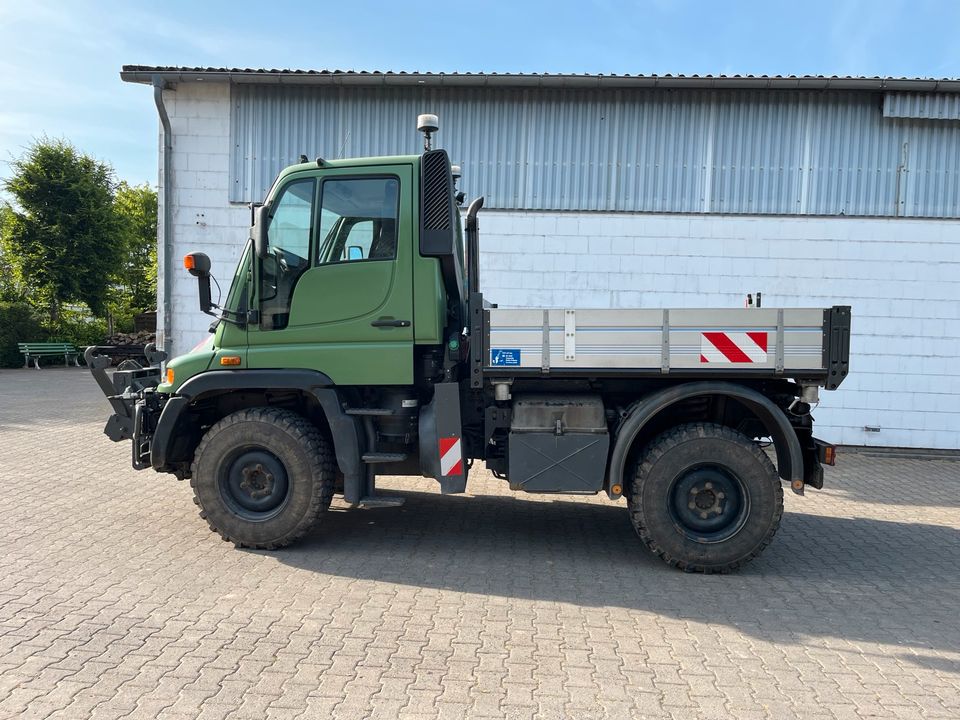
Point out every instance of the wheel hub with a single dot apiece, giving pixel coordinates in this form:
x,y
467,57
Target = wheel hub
x,y
254,484
708,503
706,500
257,482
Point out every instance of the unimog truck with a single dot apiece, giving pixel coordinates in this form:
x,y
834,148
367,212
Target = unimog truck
x,y
355,340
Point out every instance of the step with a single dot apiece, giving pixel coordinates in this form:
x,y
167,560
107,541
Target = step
x,y
381,457
370,411
375,501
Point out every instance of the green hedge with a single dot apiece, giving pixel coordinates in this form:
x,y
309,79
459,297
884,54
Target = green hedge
x,y
77,326
18,323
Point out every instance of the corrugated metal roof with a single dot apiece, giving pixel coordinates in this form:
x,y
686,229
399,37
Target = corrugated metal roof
x,y
167,73
641,150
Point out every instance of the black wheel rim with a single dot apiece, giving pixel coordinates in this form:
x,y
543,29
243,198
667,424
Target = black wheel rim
x,y
708,503
254,484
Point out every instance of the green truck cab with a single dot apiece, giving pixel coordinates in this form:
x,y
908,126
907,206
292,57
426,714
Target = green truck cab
x,y
330,229
354,340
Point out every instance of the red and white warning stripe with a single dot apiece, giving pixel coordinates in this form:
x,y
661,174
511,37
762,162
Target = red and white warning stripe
x,y
451,457
733,347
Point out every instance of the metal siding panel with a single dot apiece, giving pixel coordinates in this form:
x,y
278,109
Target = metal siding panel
x,y
921,106
628,150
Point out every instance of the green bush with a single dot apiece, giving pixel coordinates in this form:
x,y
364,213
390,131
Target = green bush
x,y
18,323
79,327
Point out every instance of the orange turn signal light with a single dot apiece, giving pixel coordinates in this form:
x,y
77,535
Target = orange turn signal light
x,y
189,262
230,360
169,376
829,455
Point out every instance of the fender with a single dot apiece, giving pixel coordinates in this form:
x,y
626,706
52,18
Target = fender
x,y
789,457
346,433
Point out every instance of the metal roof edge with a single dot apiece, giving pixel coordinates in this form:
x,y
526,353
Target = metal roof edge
x,y
147,74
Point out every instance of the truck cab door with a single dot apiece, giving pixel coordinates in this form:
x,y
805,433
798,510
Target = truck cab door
x,y
335,291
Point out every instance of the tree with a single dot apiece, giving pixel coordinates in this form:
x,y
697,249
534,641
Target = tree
x,y
136,273
11,286
64,233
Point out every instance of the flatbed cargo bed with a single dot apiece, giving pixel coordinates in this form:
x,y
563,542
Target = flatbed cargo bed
x,y
808,343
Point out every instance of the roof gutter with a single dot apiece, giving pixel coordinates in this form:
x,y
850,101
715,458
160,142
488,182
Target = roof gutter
x,y
147,75
166,232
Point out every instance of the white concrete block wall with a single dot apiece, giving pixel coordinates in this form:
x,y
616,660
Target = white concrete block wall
x,y
902,277
203,219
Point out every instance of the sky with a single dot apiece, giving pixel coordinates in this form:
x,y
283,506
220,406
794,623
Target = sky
x,y
60,61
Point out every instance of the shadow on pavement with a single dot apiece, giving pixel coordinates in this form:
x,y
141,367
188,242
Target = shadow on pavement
x,y
35,399
822,576
932,662
889,480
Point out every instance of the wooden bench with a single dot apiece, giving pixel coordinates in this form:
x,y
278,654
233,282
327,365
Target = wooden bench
x,y
36,350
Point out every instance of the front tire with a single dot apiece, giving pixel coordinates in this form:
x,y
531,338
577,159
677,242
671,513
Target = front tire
x,y
705,498
262,477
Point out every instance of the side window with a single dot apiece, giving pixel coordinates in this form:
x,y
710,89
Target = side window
x,y
289,232
358,220
291,220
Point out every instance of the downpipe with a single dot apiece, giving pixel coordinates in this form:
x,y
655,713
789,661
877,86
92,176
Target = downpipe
x,y
166,234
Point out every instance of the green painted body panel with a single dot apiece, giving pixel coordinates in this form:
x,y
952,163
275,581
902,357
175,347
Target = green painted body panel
x,y
429,301
333,305
189,364
312,169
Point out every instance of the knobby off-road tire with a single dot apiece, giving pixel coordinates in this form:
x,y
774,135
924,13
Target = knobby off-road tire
x,y
262,477
705,498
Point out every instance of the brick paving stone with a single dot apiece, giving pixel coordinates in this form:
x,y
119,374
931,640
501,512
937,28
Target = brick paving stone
x,y
116,601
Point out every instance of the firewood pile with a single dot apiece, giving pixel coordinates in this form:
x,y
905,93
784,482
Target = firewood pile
x,y
135,338
123,346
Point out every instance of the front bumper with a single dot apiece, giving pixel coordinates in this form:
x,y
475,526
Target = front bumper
x,y
131,393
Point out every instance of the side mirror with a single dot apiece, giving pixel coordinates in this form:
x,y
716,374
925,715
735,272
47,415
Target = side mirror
x,y
258,231
198,265
354,252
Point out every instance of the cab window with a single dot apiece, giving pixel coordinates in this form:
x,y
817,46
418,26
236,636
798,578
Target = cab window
x,y
289,234
358,220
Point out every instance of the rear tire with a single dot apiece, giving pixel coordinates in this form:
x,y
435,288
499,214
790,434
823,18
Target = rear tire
x,y
262,477
705,498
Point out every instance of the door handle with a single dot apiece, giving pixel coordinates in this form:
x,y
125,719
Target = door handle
x,y
390,322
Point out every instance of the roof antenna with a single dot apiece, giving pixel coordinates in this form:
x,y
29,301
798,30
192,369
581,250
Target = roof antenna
x,y
343,145
427,124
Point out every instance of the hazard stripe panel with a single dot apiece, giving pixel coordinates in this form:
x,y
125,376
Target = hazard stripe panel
x,y
451,457
733,347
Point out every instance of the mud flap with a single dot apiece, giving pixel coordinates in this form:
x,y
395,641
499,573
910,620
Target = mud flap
x,y
441,440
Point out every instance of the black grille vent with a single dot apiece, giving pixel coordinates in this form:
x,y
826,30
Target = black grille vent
x,y
436,191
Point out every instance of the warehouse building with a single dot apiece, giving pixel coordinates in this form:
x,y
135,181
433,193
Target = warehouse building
x,y
629,191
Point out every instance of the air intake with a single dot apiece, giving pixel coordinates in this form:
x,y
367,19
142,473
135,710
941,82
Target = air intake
x,y
436,204
438,229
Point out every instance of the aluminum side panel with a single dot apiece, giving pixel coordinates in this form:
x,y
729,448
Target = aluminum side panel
x,y
633,339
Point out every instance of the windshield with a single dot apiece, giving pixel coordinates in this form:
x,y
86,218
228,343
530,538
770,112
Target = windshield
x,y
239,292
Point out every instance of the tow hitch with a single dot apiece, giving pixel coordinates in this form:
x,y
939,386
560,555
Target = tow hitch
x,y
124,391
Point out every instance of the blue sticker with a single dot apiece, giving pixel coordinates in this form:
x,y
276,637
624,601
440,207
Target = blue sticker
x,y
504,357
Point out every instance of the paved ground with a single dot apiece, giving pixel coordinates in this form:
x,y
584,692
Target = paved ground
x,y
115,599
